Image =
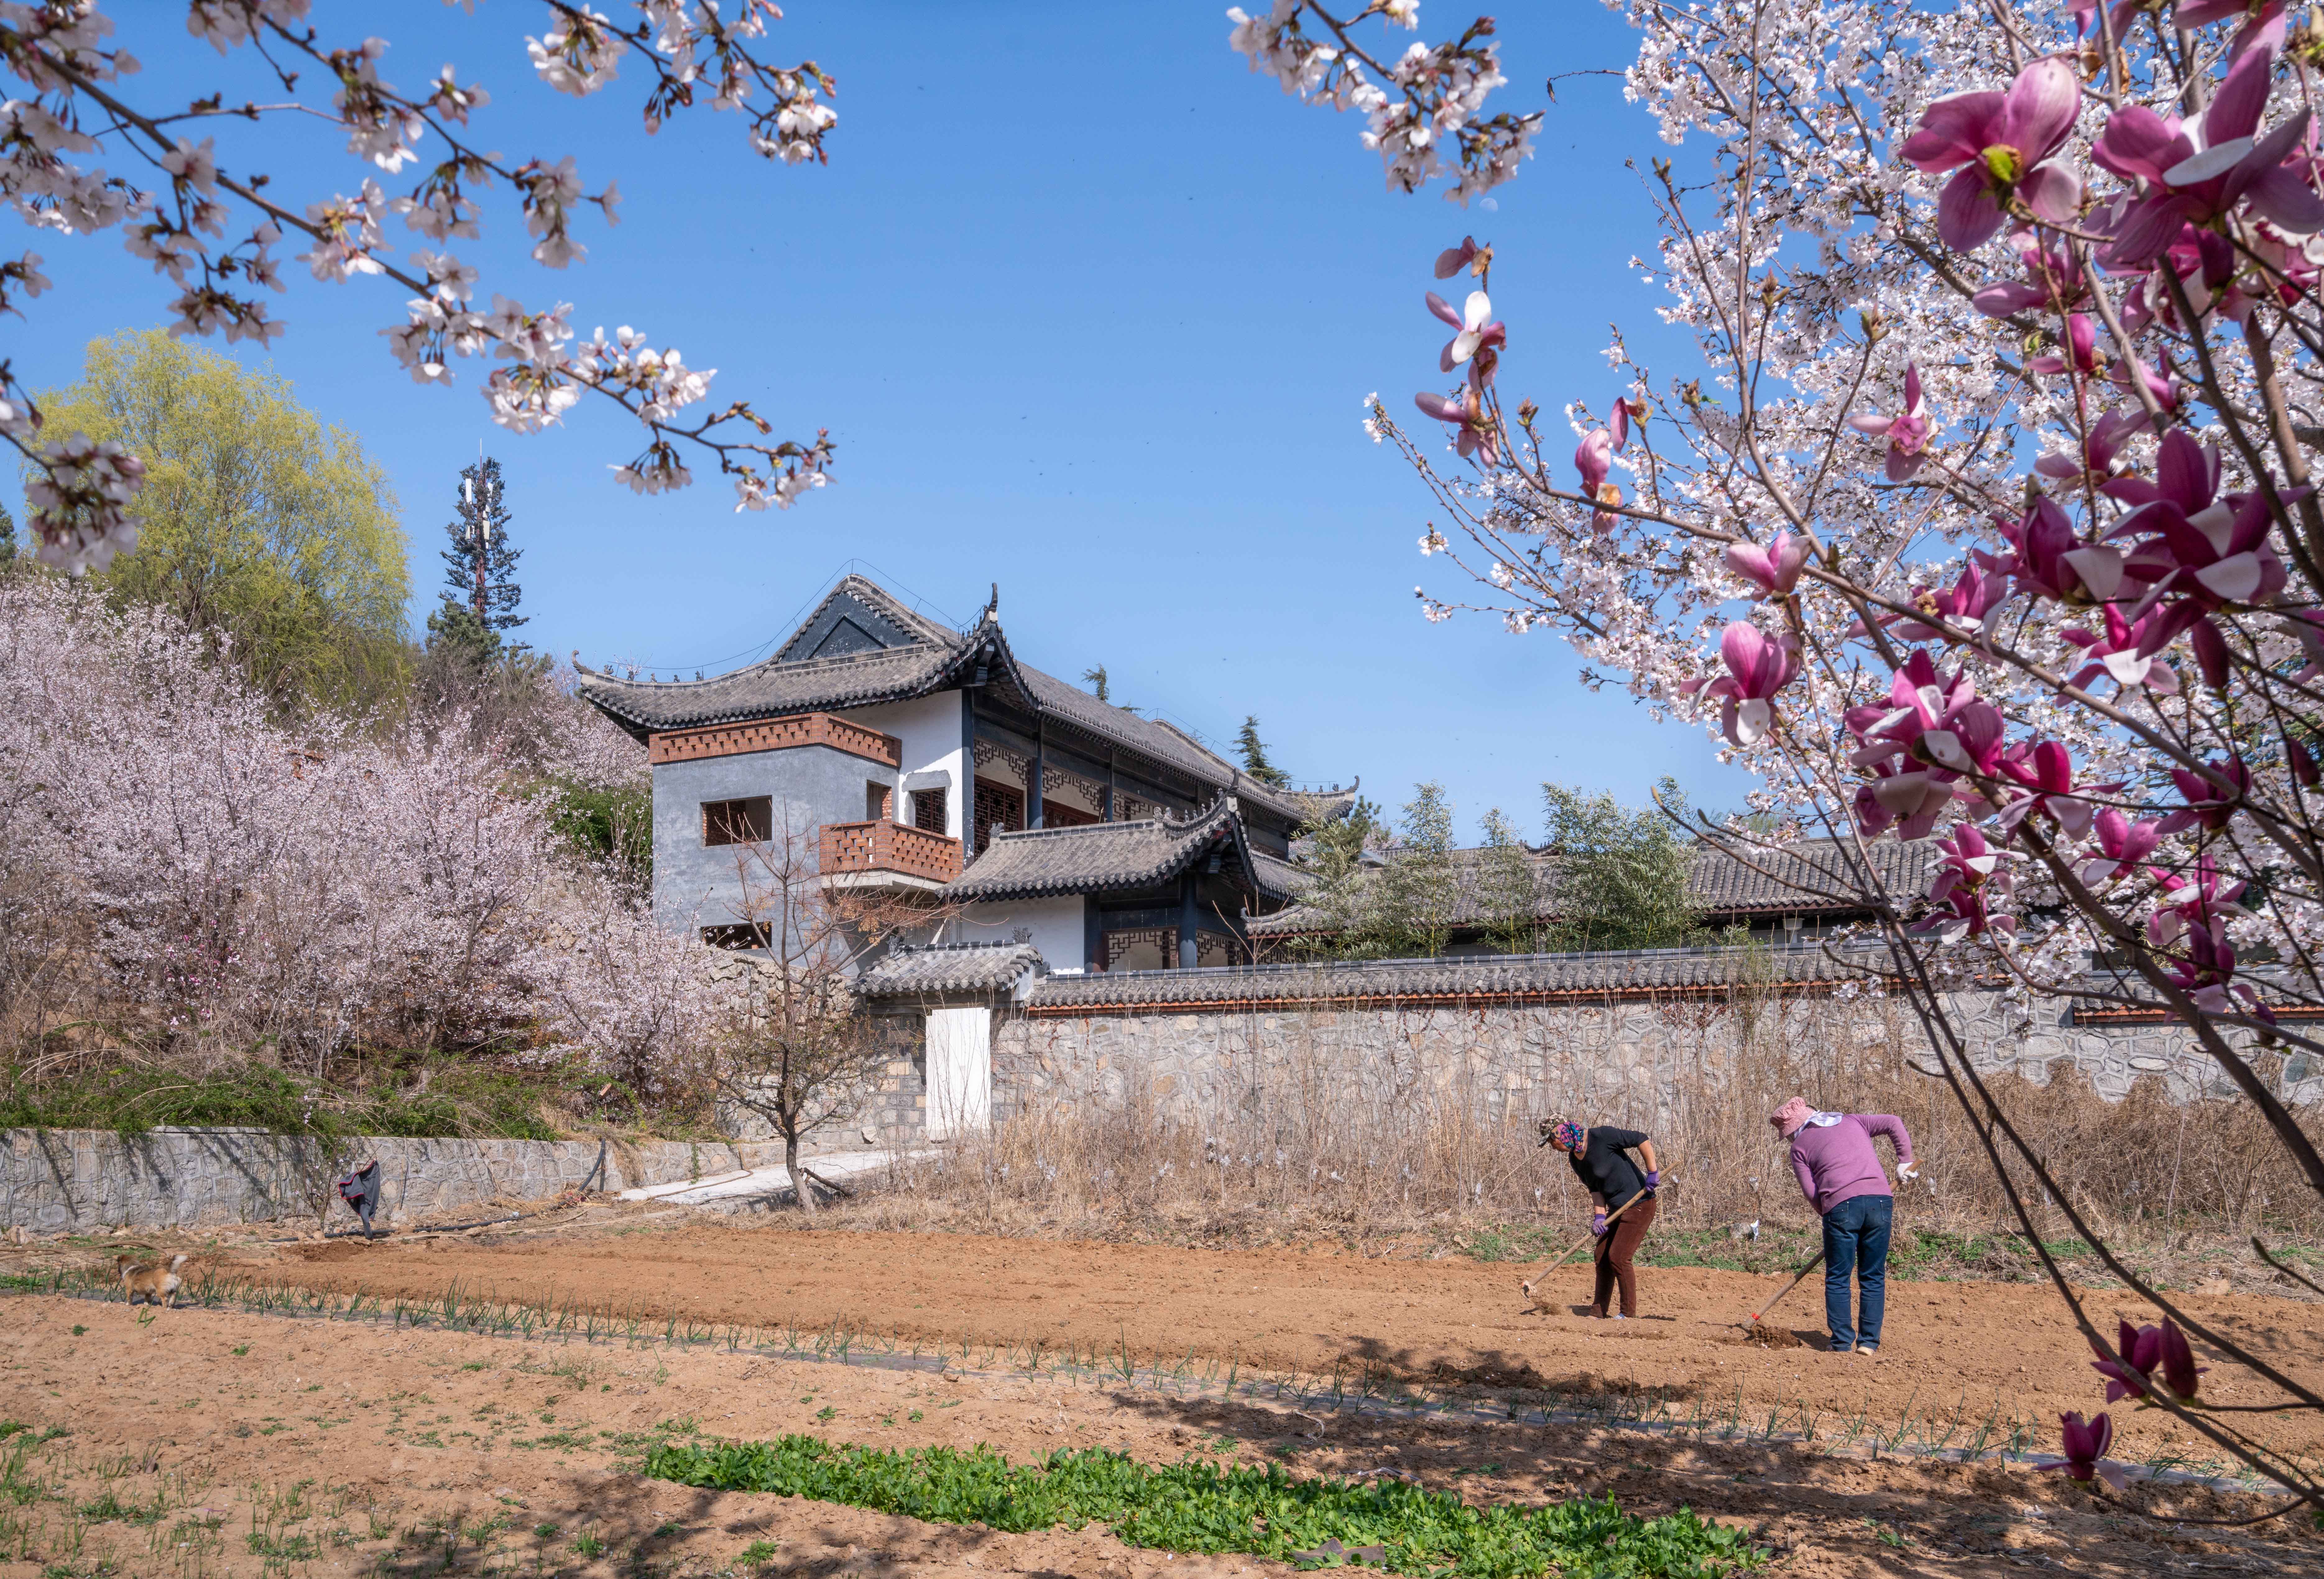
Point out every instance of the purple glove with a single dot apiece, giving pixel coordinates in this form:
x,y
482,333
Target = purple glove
x,y
1598,1224
1654,1178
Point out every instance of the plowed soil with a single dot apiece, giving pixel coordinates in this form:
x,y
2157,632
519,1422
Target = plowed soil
x,y
1951,1349
203,1443
213,1442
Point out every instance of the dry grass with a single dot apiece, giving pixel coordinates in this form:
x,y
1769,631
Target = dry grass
x,y
1429,1149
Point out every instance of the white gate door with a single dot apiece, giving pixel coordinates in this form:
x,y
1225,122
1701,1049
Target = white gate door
x,y
960,1072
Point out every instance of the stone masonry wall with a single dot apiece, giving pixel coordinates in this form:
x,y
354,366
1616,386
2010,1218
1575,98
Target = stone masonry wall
x,y
1521,1063
76,1180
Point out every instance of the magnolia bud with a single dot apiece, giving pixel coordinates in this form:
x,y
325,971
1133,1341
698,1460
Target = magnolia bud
x,y
1875,326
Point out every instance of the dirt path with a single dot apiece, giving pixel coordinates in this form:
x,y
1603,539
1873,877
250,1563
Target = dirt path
x,y
207,1444
1967,1351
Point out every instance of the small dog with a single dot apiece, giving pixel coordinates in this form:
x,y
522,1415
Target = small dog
x,y
154,1285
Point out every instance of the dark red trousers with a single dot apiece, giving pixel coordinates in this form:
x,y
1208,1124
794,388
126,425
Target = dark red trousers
x,y
1615,1246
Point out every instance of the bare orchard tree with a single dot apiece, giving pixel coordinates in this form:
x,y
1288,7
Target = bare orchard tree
x,y
793,1048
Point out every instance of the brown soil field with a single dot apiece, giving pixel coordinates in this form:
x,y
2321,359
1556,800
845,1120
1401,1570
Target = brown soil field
x,y
1951,1350
271,1444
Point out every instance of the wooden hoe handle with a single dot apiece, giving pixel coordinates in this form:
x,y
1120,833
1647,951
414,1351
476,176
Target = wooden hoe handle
x,y
1587,1239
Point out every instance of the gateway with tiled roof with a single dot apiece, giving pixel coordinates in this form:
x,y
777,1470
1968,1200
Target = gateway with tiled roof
x,y
920,758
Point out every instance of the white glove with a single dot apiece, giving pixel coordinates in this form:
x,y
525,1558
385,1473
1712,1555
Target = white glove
x,y
1908,1170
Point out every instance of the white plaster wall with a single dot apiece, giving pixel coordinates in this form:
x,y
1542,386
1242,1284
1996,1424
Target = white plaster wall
x,y
929,727
1055,925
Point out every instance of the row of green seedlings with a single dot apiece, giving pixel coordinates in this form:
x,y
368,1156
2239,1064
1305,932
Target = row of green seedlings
x,y
1350,1388
1196,1505
35,1483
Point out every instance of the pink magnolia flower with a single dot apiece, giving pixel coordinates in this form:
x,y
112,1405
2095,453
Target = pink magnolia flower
x,y
2080,348
1971,604
2206,973
1937,722
1477,438
2001,142
1774,569
1907,433
2100,463
2122,844
2050,560
2199,173
2301,761
2085,1444
1593,457
2190,899
2208,806
2204,262
2263,21
1476,336
1911,800
2126,653
2053,281
1759,666
1453,260
2130,373
2045,777
1969,879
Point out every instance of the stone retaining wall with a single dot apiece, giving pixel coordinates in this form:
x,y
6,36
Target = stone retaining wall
x,y
1520,1062
76,1181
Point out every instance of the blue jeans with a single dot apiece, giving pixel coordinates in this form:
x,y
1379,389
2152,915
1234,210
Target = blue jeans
x,y
1856,1239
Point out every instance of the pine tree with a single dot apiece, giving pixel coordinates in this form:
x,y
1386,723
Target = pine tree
x,y
481,564
1095,680
1254,755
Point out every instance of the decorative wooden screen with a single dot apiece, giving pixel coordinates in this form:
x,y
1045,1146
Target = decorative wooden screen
x,y
929,811
776,734
1057,814
997,805
1120,946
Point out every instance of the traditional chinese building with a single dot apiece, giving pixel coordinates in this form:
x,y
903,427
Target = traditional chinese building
x,y
922,760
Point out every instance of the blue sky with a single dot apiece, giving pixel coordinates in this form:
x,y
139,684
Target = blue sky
x,y
1089,311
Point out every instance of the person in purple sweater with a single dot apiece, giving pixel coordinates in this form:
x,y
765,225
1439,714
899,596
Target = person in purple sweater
x,y
1840,1173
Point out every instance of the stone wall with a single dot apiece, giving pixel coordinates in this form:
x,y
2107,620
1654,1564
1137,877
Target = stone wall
x,y
76,1181
1521,1062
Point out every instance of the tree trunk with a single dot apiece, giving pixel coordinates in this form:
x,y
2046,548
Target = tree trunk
x,y
799,1185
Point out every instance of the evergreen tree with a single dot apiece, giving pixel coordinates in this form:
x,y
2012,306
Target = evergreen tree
x,y
1622,875
1507,889
7,536
481,565
1095,680
1254,755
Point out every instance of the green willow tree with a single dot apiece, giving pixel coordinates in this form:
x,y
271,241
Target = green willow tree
x,y
258,522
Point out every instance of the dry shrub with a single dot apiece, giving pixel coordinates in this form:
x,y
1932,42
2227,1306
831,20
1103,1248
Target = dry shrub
x,y
1323,1146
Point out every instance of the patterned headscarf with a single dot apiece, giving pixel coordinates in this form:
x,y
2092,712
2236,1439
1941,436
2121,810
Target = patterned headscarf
x,y
1567,1137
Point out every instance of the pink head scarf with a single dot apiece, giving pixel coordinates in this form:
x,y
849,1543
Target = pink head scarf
x,y
1788,1118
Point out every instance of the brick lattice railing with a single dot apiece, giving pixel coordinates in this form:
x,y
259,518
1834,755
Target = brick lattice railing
x,y
887,847
777,734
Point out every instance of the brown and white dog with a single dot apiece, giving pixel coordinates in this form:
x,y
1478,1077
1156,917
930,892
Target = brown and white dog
x,y
154,1285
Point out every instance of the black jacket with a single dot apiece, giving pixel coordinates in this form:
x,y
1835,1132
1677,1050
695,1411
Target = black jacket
x,y
1604,1168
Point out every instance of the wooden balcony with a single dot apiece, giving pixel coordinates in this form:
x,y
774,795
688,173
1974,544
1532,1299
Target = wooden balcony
x,y
776,734
884,854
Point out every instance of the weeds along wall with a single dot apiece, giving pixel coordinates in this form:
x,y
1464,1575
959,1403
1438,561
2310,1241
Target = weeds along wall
x,y
78,1180
1368,1115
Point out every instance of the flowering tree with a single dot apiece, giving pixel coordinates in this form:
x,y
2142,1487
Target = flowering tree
x,y
216,882
1980,511
211,224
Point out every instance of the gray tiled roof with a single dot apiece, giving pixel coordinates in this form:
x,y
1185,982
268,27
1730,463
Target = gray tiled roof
x,y
1815,874
947,967
1095,855
1810,877
1521,977
926,664
1278,876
